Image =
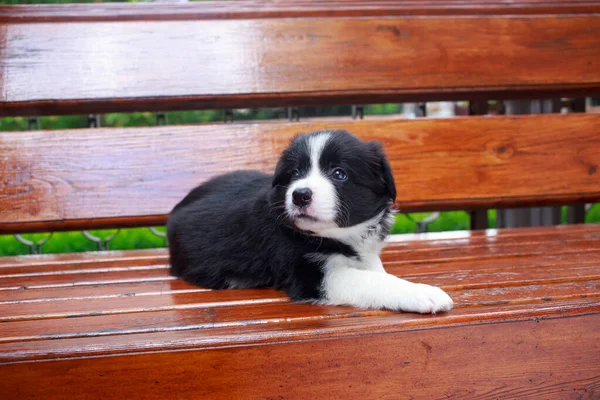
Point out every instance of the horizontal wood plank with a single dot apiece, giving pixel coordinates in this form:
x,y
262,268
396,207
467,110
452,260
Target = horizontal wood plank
x,y
521,359
565,297
281,330
122,177
243,9
227,63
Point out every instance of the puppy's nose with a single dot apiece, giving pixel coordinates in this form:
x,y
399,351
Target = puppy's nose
x,y
302,197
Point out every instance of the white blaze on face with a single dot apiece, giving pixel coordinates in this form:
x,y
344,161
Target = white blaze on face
x,y
323,206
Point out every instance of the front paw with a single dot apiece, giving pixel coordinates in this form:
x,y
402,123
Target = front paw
x,y
426,299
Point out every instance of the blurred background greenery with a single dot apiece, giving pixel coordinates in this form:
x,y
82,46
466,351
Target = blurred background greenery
x,y
141,238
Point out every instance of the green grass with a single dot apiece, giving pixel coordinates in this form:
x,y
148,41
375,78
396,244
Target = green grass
x,y
71,242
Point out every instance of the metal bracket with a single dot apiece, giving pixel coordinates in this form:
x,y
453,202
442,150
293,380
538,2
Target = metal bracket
x,y
94,120
358,111
33,123
293,114
159,234
101,242
34,247
423,225
161,119
227,115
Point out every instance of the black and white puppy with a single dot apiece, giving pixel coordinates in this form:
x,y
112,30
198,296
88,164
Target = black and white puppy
x,y
314,230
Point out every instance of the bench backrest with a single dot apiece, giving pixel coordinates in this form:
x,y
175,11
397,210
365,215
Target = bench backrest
x,y
65,60
165,59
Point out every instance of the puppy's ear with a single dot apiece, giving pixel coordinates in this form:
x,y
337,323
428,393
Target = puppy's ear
x,y
388,178
384,169
282,170
279,174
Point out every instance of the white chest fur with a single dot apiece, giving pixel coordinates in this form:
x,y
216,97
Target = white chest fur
x,y
361,281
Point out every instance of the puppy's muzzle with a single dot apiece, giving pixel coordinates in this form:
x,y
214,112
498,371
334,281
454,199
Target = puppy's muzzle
x,y
302,197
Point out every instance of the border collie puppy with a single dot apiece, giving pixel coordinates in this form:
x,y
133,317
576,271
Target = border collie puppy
x,y
314,229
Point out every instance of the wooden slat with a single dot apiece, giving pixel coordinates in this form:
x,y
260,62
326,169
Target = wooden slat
x,y
97,291
92,259
489,236
108,278
512,301
55,180
506,361
327,322
281,330
242,9
227,63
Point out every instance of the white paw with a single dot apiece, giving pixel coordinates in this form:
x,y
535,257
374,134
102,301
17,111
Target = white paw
x,y
426,299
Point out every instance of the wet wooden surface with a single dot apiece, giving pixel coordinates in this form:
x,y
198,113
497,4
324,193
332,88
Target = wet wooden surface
x,y
242,9
54,180
109,324
218,59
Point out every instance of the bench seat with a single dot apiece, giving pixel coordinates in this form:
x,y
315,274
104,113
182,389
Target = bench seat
x,y
526,299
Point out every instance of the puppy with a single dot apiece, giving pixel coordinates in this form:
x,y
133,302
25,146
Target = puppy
x,y
314,229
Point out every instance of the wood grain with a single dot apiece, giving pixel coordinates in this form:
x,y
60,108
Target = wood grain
x,y
209,336
228,63
502,305
506,361
53,180
242,9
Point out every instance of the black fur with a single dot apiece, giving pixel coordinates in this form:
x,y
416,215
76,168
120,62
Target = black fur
x,y
233,231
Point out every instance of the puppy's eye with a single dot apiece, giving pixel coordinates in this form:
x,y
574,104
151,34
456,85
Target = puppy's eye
x,y
296,173
339,174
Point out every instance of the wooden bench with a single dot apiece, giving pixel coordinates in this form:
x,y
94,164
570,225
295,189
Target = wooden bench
x,y
115,324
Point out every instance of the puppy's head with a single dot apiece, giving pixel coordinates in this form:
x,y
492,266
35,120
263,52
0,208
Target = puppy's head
x,y
331,179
